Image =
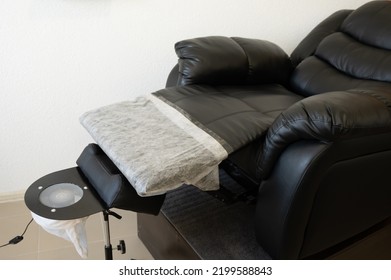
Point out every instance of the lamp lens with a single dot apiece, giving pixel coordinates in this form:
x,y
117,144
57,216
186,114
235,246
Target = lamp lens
x,y
61,195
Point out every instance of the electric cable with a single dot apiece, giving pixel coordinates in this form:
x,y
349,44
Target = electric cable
x,y
18,238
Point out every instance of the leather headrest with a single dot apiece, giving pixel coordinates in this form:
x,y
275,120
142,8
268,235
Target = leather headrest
x,y
370,24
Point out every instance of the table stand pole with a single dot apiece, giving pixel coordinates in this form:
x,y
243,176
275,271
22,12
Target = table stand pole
x,y
108,247
106,225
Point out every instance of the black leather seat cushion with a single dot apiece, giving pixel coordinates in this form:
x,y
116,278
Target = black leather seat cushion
x,y
238,114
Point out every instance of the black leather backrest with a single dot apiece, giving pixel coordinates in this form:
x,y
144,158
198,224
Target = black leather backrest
x,y
348,50
371,24
218,60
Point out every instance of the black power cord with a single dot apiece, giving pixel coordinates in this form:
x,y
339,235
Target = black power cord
x,y
18,238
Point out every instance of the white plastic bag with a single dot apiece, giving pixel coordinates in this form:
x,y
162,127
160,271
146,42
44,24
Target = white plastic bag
x,y
71,230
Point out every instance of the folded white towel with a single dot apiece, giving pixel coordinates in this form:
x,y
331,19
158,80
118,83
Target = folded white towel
x,y
155,146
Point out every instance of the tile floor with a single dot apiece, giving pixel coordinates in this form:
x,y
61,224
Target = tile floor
x,y
40,245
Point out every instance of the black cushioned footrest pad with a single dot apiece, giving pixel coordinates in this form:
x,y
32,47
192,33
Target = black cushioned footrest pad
x,y
110,184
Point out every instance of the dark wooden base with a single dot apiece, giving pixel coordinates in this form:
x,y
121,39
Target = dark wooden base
x,y
374,244
165,243
162,240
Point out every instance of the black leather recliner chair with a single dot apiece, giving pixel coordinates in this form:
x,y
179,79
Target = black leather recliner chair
x,y
310,131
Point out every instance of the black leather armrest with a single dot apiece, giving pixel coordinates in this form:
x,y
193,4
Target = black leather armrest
x,y
218,60
327,117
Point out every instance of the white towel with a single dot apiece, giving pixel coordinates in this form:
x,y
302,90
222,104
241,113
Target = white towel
x,y
156,147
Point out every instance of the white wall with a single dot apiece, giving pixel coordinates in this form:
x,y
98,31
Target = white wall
x,y
60,58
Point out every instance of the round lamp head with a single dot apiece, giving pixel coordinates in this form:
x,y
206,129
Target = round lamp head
x,y
61,195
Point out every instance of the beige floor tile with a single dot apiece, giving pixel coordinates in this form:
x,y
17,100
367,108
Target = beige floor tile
x,y
14,226
68,253
8,209
127,225
94,228
39,244
135,249
96,251
30,256
48,241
